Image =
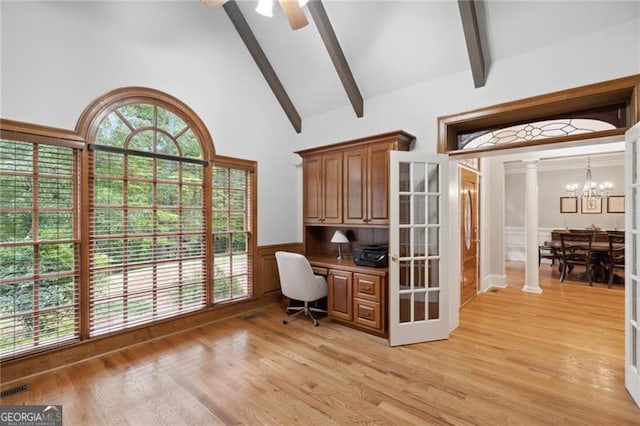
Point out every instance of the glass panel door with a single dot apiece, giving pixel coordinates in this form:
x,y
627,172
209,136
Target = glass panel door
x,y
632,259
418,288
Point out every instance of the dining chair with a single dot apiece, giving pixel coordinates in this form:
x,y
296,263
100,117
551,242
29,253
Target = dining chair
x,y
576,251
615,259
547,252
298,282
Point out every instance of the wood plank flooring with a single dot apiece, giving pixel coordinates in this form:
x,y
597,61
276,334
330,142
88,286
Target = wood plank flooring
x,y
517,358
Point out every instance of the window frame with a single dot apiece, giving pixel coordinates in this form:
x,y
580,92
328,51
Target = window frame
x,y
251,168
39,136
81,140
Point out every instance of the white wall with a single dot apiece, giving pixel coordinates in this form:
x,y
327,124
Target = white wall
x,y
57,57
551,186
415,109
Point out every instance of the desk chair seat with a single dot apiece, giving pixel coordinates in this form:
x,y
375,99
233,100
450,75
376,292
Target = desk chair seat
x,y
298,282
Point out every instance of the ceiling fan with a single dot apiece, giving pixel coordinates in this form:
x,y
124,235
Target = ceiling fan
x,y
291,8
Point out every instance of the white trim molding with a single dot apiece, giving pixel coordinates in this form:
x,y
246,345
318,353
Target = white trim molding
x,y
493,281
514,242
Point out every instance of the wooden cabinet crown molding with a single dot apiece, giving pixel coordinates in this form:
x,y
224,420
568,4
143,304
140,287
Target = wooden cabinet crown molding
x,y
402,137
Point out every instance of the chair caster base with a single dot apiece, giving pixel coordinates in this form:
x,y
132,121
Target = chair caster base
x,y
285,322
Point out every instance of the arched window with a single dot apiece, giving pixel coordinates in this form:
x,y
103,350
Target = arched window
x,y
146,218
128,220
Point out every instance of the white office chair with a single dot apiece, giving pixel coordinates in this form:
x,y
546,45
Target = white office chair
x,y
298,282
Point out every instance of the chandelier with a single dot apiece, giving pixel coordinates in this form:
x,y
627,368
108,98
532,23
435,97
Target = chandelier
x,y
590,189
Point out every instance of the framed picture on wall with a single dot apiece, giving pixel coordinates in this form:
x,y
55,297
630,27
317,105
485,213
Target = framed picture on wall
x,y
568,205
615,204
591,205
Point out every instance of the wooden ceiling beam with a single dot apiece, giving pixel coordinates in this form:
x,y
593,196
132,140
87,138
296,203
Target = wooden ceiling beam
x,y
249,39
328,35
472,37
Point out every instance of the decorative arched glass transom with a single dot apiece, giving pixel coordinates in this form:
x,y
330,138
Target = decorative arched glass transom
x,y
533,131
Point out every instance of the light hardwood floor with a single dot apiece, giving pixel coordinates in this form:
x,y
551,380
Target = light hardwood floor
x,y
517,358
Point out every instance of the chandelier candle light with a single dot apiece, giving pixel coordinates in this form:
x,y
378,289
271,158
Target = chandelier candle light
x,y
589,189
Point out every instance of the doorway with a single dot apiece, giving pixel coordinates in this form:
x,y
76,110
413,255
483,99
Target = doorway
x,y
469,235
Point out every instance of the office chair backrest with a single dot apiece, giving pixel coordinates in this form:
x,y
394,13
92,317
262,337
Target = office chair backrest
x,y
297,279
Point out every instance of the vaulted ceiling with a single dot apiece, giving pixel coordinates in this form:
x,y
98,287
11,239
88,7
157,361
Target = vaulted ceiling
x,y
390,45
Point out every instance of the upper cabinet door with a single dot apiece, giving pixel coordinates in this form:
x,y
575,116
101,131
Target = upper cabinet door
x,y
378,183
332,188
348,183
312,190
355,186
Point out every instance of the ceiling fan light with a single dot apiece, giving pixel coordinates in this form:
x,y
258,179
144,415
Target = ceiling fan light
x,y
303,3
265,8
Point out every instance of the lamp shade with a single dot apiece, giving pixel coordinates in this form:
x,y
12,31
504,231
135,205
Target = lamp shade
x,y
339,237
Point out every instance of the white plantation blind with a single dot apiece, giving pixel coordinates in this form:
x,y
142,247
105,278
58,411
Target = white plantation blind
x,y
147,240
39,247
232,233
147,220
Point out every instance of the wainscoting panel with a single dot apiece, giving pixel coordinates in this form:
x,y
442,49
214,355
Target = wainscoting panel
x,y
267,279
514,242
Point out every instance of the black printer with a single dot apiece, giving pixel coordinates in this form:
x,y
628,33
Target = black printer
x,y
373,256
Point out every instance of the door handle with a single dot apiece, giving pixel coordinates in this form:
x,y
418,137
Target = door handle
x,y
394,258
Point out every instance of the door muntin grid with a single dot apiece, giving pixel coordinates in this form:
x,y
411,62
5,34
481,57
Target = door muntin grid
x,y
419,241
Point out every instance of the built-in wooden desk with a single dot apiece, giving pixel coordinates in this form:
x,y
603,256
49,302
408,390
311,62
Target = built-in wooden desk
x,y
357,294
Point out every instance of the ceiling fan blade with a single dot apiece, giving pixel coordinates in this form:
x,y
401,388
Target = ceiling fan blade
x,y
214,3
294,13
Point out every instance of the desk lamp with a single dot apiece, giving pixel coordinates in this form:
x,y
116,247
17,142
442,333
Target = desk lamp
x,y
339,238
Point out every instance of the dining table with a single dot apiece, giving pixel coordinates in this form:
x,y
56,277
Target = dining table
x,y
600,250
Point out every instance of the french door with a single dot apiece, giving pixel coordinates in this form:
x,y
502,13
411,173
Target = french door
x,y
632,275
418,285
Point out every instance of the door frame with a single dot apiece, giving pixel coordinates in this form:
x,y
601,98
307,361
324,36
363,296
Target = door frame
x,y
625,91
477,239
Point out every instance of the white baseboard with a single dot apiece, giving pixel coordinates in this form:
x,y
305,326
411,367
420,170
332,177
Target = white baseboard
x,y
494,280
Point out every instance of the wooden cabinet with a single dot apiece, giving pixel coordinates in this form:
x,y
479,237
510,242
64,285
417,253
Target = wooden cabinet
x,y
356,294
348,182
346,188
366,184
339,300
323,189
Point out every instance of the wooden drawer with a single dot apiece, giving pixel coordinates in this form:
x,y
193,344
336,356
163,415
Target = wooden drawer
x,y
320,271
367,313
367,287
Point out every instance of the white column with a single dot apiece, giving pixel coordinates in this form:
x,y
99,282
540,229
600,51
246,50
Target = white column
x,y
531,273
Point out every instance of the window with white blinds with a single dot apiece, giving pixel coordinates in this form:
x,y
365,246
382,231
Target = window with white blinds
x,y
147,220
232,232
39,247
